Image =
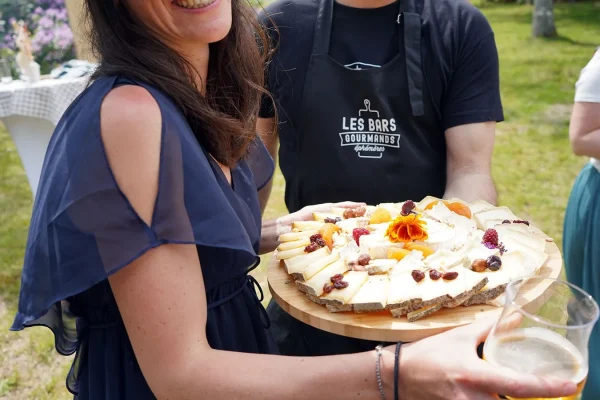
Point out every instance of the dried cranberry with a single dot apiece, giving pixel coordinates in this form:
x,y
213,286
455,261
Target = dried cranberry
x,y
327,288
340,284
494,263
520,221
363,259
450,276
408,207
506,221
332,220
358,232
336,278
434,274
311,247
417,275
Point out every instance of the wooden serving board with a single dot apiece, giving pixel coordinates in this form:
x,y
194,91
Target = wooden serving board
x,y
382,326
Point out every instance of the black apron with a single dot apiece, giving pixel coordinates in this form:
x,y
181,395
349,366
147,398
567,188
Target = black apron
x,y
367,135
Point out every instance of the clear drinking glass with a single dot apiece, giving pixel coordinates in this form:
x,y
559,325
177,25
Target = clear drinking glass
x,y
5,72
544,330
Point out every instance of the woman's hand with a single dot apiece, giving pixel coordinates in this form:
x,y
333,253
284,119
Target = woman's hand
x,y
284,224
446,366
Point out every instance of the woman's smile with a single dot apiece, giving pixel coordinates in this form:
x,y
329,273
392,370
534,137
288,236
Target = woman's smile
x,y
193,4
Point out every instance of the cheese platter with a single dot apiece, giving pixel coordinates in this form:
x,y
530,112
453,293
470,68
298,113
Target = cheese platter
x,y
405,271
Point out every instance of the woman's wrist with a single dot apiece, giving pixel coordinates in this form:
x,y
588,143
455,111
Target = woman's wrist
x,y
387,371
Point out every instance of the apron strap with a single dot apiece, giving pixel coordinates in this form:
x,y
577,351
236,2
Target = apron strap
x,y
323,28
411,21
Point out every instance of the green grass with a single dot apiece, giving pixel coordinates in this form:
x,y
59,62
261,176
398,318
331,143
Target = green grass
x,y
533,169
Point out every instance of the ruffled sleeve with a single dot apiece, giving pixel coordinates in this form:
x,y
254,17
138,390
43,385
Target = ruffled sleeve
x,y
83,228
261,163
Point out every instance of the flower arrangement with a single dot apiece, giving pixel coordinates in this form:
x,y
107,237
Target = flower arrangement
x,y
407,228
47,20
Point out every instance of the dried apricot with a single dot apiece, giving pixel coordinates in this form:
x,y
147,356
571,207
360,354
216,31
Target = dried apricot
x,y
427,251
460,209
435,203
380,216
327,232
397,254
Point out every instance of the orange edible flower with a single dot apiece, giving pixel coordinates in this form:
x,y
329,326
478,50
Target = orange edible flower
x,y
406,229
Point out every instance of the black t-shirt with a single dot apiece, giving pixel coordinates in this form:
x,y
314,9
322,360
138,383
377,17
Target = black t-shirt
x,y
460,58
364,38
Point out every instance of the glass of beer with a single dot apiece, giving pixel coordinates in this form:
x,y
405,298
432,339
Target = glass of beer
x,y
544,330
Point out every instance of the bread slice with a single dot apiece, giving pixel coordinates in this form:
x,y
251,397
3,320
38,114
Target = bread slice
x,y
336,308
315,299
463,297
298,263
313,268
372,295
339,297
293,236
380,266
423,312
307,225
303,242
314,285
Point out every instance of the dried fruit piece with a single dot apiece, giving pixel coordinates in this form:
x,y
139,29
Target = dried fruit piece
x,y
434,274
435,203
327,232
336,278
332,220
494,263
355,212
479,265
380,216
491,237
427,251
363,259
520,221
311,247
506,221
327,288
340,284
460,209
450,276
408,207
417,275
357,233
397,254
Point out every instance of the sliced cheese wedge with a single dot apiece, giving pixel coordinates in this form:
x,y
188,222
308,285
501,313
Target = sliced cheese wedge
x,y
307,225
496,214
303,242
444,259
414,260
298,263
355,281
479,206
420,206
348,225
314,285
293,236
534,259
380,266
321,217
506,231
372,295
291,253
403,290
313,268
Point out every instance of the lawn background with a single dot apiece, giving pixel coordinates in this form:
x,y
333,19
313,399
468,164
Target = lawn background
x,y
533,168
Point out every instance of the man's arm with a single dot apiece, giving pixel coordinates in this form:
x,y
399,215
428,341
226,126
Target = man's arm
x,y
469,158
266,129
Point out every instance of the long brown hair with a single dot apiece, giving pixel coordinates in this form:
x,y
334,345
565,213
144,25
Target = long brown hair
x,y
224,118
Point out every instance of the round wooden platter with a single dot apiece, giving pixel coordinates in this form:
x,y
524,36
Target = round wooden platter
x,y
382,326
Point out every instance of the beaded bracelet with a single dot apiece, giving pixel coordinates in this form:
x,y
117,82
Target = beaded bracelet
x,y
379,350
396,368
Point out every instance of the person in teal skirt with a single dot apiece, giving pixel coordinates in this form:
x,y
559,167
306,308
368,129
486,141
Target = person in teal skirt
x,y
582,219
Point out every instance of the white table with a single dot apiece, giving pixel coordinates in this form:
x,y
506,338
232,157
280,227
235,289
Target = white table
x,y
30,113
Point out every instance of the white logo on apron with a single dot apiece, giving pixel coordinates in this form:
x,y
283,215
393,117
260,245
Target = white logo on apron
x,y
368,133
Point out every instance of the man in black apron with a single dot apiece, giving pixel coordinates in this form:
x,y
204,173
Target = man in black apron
x,y
378,101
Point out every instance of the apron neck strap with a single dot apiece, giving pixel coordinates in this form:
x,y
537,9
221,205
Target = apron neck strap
x,y
408,20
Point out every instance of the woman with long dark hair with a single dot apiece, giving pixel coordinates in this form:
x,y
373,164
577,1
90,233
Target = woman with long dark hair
x,y
147,222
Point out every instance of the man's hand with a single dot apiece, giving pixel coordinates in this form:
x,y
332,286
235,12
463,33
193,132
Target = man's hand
x,y
284,224
469,158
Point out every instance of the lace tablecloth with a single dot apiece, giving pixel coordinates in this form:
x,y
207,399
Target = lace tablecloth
x,y
47,99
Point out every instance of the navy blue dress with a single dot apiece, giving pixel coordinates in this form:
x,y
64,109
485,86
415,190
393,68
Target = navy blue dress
x,y
83,229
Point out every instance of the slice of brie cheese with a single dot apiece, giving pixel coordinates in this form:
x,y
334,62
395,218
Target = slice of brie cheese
x,y
307,225
293,236
314,267
295,244
380,266
348,225
412,261
496,214
314,285
298,263
479,206
444,259
373,294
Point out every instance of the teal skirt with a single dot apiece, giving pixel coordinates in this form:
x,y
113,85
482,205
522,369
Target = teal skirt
x,y
581,250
